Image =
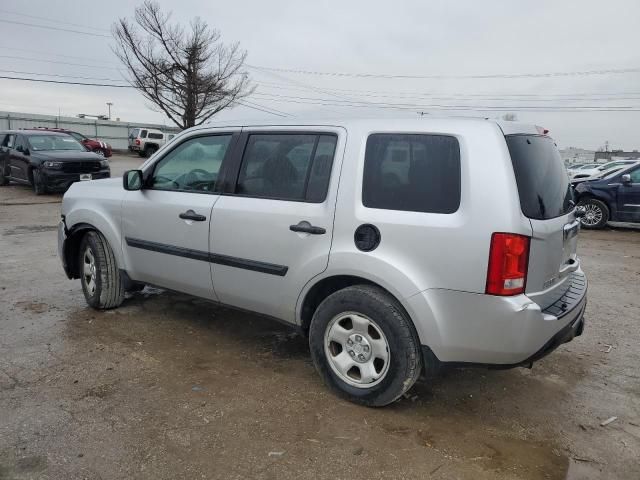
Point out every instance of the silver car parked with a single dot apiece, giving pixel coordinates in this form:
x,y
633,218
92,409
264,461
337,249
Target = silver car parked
x,y
397,246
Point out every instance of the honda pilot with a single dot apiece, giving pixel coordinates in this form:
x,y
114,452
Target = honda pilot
x,y
396,246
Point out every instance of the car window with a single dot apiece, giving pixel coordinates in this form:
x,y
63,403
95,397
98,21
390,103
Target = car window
x,y
143,134
544,189
134,133
635,176
9,141
191,166
54,142
155,135
78,136
287,166
20,143
415,173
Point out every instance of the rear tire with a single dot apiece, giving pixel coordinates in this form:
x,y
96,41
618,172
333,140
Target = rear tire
x,y
101,280
150,151
4,180
361,336
142,153
38,186
596,213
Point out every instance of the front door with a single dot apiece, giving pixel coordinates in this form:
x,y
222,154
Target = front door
x,y
18,161
271,231
166,224
629,198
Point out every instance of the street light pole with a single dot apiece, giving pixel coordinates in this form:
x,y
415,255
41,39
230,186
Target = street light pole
x,y
109,105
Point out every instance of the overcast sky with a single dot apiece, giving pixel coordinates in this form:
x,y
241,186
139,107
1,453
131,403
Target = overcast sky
x,y
450,39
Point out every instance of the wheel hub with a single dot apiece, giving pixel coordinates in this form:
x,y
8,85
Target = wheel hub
x,y
358,348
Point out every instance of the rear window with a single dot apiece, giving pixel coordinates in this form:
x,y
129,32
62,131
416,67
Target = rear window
x,y
543,184
134,133
414,173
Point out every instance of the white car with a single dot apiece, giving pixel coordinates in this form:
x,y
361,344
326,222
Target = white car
x,y
147,141
396,246
584,173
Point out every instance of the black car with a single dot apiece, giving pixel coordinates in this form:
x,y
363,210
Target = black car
x,y
611,198
46,160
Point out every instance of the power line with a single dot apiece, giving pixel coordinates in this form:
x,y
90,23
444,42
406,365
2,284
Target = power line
x,y
48,54
65,83
61,76
407,106
58,62
492,96
49,19
448,77
263,106
55,28
258,108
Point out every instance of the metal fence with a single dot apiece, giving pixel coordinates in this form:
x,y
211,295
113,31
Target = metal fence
x,y
112,132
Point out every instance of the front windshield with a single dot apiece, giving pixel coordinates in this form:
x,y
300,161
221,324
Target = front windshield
x,y
77,136
54,142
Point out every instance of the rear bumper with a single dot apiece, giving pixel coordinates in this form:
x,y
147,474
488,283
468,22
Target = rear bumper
x,y
60,181
502,332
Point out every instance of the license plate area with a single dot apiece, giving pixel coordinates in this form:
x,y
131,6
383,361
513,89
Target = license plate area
x,y
85,176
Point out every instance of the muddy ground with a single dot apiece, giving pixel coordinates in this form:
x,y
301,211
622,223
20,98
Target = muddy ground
x,y
169,386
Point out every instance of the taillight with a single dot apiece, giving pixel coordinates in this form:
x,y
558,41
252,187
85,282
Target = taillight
x,y
137,141
508,264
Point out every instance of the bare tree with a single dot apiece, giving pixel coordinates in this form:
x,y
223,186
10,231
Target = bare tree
x,y
510,117
189,75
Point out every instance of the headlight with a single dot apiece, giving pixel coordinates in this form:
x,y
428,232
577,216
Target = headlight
x,y
53,164
104,163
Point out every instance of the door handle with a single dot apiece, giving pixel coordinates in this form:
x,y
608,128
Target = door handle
x,y
306,227
191,215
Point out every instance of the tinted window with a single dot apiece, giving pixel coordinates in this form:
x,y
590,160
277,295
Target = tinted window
x,y
287,166
543,184
155,135
635,176
191,166
143,134
54,142
415,173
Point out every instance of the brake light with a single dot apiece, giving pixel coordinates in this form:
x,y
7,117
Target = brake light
x,y
137,141
508,264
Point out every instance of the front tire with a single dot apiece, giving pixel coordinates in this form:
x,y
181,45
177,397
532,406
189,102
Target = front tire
x,y
38,187
364,346
101,280
596,213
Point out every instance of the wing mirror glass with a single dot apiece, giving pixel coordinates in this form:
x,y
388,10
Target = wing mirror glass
x,y
132,180
626,178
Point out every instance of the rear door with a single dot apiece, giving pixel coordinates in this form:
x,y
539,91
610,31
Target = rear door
x,y
629,198
271,230
546,199
166,224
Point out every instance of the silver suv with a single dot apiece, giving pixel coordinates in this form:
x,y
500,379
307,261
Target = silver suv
x,y
396,246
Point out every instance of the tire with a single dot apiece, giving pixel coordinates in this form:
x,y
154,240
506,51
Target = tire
x,y
101,280
4,180
596,213
142,153
38,187
379,322
150,151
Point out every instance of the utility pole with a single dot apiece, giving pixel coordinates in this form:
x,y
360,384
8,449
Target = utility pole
x,y
109,106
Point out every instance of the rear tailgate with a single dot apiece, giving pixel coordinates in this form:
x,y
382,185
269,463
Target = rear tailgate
x,y
546,199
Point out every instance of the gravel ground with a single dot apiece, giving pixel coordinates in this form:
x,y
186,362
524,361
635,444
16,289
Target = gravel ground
x,y
169,386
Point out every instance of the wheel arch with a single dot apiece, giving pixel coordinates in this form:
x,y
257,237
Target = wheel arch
x,y
314,294
73,239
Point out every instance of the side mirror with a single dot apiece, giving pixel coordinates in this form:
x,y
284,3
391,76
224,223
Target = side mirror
x,y
132,180
626,178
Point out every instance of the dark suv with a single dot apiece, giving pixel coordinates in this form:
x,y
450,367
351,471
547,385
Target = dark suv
x,y
615,197
47,160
